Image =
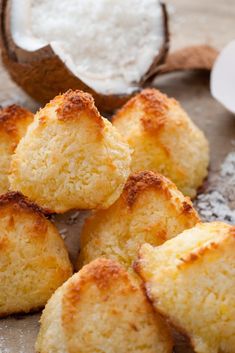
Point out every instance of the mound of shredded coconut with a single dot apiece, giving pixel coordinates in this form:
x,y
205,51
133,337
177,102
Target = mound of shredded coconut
x,y
218,204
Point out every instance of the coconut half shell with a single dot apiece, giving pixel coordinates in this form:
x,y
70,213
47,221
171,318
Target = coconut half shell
x,y
42,74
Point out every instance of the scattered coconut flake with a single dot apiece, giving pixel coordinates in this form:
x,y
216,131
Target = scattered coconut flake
x,y
3,348
73,219
218,204
228,178
18,334
223,77
63,232
213,207
228,166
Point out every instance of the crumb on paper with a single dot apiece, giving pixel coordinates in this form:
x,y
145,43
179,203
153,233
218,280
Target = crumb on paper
x,y
63,232
73,219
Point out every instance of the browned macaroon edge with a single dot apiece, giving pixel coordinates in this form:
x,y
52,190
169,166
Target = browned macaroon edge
x,y
100,271
72,103
154,105
19,200
10,115
140,181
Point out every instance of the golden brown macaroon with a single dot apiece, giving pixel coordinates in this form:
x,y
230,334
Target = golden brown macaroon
x,y
14,121
151,209
99,309
71,157
164,139
191,280
33,259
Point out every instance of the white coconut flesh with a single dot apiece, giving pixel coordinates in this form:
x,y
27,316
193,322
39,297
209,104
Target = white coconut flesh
x,y
108,44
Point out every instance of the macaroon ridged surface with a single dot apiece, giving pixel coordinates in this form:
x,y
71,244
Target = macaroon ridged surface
x,y
164,139
99,309
14,121
33,259
151,209
71,157
191,280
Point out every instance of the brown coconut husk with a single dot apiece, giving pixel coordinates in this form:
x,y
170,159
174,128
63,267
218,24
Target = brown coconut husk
x,y
198,57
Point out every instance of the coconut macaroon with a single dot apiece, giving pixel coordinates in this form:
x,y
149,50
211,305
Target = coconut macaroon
x,y
151,209
99,309
14,121
191,280
164,139
33,259
71,157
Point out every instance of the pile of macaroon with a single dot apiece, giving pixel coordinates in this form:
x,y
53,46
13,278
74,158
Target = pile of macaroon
x,y
146,264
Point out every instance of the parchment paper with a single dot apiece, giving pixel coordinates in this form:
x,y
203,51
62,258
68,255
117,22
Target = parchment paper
x,y
192,22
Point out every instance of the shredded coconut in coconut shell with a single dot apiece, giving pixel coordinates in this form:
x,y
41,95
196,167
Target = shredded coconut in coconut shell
x,y
107,44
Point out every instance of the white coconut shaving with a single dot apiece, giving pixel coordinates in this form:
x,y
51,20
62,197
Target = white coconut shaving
x,y
108,44
218,204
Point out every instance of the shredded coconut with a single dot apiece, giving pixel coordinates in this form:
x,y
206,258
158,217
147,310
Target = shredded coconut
x,y
63,232
218,204
73,219
108,44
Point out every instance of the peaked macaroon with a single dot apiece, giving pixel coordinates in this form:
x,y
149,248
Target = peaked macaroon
x,y
33,259
150,209
191,281
99,309
71,157
164,139
14,121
